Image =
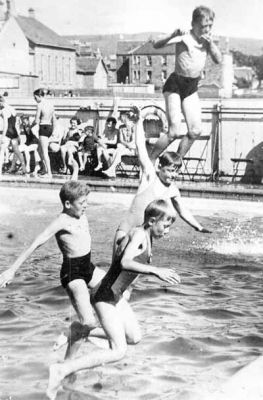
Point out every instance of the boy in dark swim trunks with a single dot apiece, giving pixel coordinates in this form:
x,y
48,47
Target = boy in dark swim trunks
x,y
71,230
115,314
180,89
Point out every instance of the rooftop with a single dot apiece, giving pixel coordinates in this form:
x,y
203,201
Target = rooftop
x,y
39,34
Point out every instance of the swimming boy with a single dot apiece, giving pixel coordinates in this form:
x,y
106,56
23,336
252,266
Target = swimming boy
x,y
71,230
180,89
155,183
115,314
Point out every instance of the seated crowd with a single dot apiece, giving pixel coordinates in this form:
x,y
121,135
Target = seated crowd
x,y
80,149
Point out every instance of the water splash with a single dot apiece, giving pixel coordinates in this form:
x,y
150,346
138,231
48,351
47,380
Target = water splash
x,y
241,238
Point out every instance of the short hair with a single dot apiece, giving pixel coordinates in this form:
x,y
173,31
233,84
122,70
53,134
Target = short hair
x,y
122,126
75,119
39,92
170,158
202,12
73,190
111,119
159,209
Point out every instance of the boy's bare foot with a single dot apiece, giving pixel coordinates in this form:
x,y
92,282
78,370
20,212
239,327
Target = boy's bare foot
x,y
55,377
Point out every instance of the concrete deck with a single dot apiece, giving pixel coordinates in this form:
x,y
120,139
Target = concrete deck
x,y
217,190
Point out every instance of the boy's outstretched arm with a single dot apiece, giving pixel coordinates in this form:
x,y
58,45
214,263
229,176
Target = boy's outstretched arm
x,y
187,216
7,276
163,42
128,263
140,143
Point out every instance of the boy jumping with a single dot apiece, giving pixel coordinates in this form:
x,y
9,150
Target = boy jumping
x,y
77,274
155,183
180,89
115,314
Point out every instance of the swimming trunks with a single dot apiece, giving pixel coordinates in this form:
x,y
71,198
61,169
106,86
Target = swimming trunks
x,y
76,268
45,130
182,85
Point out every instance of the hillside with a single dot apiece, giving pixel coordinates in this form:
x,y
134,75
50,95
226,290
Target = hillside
x,y
108,43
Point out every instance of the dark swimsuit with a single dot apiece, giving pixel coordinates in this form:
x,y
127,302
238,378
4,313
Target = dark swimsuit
x,y
76,268
11,132
111,288
180,84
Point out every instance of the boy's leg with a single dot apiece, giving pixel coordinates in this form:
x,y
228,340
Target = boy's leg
x,y
113,326
80,298
131,325
173,115
191,108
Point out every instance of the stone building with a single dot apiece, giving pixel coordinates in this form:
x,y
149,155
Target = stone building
x,y
91,73
32,55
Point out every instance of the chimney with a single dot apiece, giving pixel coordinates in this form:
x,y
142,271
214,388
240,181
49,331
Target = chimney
x,y
31,12
2,10
10,9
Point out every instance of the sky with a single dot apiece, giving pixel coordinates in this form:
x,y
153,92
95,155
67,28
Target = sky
x,y
240,18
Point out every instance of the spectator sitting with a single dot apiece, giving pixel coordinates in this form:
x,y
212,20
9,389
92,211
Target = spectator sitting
x,y
87,146
107,143
70,144
28,143
125,147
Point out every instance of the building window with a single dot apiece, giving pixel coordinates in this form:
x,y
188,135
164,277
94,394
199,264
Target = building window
x,y
49,69
149,61
69,70
63,69
164,60
164,75
139,75
56,69
134,75
42,60
149,77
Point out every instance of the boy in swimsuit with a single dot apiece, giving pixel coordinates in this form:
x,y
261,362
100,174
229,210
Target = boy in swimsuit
x,y
115,314
180,89
155,183
77,274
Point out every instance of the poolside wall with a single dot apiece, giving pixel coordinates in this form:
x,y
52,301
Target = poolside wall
x,y
235,127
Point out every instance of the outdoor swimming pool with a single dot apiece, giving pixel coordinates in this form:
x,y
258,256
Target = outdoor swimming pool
x,y
195,335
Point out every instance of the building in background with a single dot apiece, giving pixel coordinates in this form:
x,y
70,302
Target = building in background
x,y
32,55
92,73
140,63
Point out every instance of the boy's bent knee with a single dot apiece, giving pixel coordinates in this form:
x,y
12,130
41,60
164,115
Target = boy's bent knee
x,y
194,134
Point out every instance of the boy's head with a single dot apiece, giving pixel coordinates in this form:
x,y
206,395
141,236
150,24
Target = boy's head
x,y
202,20
72,191
168,167
159,215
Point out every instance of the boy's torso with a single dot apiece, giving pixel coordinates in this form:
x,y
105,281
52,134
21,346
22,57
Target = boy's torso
x,y
74,238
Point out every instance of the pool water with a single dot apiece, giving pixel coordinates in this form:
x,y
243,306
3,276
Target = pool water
x,y
195,335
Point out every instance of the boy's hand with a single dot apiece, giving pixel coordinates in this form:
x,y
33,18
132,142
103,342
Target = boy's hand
x,y
168,275
207,38
6,277
178,32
